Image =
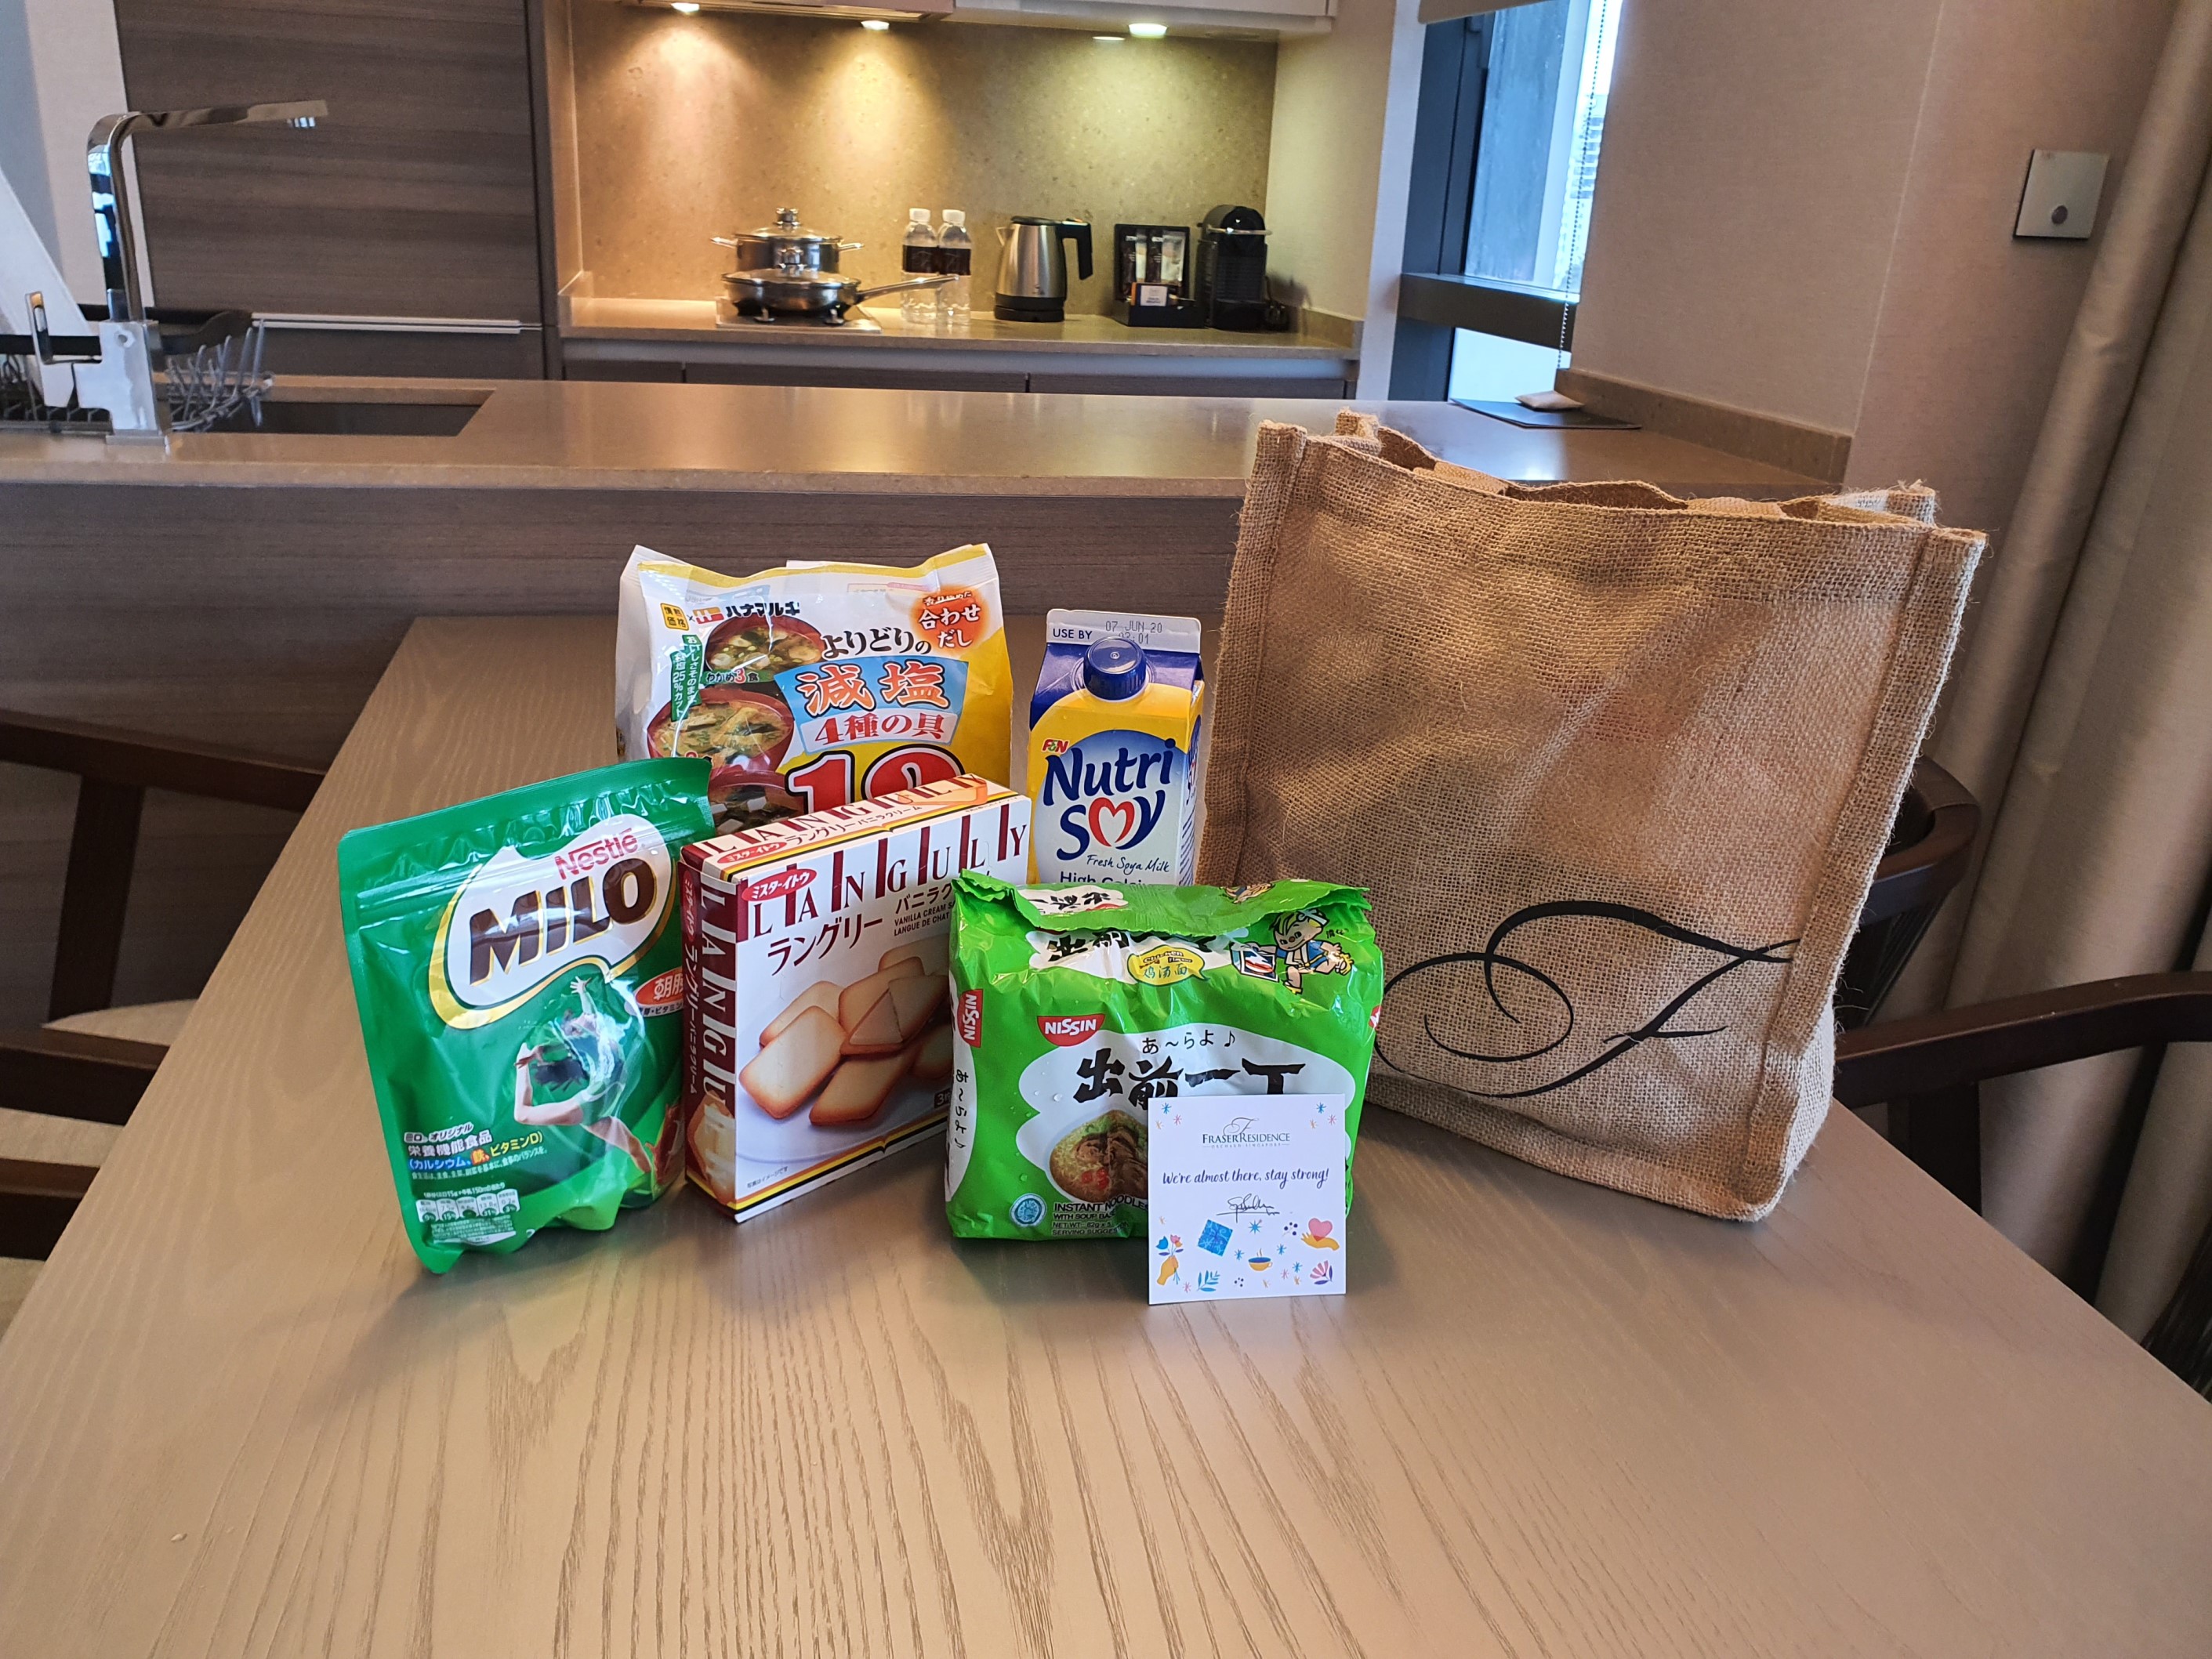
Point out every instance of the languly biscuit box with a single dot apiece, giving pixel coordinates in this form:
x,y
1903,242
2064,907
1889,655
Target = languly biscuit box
x,y
1113,759
815,684
819,1033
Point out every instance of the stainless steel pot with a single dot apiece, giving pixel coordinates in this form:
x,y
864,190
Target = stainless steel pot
x,y
771,247
791,290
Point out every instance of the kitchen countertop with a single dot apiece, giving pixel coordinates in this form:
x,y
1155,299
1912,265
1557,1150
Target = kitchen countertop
x,y
542,435
692,322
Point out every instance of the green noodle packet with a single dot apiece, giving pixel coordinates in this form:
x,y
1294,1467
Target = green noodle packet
x,y
1077,1007
518,963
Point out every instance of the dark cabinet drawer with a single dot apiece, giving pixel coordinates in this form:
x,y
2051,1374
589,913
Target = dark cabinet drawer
x,y
427,356
889,378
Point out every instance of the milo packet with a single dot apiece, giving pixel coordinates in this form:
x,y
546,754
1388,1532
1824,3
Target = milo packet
x,y
1077,1008
519,968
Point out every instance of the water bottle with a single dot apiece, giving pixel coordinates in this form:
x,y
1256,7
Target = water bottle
x,y
918,257
956,252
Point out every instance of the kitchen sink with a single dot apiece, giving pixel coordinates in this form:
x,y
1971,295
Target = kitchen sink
x,y
287,416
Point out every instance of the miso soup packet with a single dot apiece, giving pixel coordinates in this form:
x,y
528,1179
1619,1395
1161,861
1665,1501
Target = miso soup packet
x,y
518,964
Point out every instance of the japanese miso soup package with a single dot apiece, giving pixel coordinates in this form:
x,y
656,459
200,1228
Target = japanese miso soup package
x,y
1076,1009
518,963
813,685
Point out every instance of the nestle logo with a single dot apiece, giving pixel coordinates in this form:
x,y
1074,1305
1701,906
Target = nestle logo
x,y
782,884
971,1018
1065,1030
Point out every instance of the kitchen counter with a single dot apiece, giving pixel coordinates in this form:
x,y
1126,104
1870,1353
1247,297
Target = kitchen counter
x,y
679,340
1082,334
247,590
590,435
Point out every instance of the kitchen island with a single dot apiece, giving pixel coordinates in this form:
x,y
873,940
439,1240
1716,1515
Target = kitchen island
x,y
248,589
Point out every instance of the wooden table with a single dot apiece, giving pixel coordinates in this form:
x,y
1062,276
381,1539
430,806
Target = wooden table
x,y
237,1419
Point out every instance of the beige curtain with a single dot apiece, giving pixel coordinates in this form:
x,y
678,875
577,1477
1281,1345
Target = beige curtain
x,y
2082,718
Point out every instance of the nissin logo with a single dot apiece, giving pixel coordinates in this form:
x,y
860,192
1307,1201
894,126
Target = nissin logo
x,y
1065,1030
1111,800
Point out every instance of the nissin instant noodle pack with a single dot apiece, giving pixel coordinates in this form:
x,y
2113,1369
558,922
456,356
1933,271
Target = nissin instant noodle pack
x,y
819,1031
1079,1010
1113,759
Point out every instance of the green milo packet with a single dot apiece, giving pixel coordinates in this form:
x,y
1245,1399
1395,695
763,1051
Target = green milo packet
x,y
518,963
1077,1007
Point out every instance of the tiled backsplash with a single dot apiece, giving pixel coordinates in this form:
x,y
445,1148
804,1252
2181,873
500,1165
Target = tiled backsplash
x,y
692,127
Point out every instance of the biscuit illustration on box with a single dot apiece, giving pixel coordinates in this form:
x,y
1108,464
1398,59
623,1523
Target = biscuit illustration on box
x,y
823,994
860,1089
933,1060
930,954
907,1008
819,1033
856,1001
784,1075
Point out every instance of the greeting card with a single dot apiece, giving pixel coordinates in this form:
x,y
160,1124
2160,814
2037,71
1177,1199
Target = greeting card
x,y
1246,1196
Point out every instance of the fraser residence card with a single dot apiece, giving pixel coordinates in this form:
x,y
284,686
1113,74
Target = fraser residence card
x,y
1246,1196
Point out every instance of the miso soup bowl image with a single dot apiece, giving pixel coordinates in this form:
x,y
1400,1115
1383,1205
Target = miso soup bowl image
x,y
743,729
760,648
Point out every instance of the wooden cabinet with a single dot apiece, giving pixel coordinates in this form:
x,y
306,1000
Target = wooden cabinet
x,y
416,198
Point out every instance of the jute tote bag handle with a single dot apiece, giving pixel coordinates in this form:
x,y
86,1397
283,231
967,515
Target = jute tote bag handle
x,y
1616,766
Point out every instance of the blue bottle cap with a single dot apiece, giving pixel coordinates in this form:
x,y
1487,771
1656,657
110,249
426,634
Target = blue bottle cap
x,y
1114,671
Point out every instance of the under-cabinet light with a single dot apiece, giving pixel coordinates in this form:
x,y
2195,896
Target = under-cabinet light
x,y
1110,40
1148,31
875,23
687,7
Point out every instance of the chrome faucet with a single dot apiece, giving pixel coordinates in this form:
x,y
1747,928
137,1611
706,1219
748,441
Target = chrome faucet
x,y
111,188
120,377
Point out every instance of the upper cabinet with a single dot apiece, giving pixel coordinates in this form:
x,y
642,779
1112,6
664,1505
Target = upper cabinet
x,y
414,200
1276,17
1257,17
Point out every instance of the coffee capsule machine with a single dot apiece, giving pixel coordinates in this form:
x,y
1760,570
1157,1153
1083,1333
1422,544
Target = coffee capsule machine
x,y
1231,287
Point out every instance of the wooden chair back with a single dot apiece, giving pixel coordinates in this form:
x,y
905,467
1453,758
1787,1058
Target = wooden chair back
x,y
1931,845
1931,1068
114,770
71,1074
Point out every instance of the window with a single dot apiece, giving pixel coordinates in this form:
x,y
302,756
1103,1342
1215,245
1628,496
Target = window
x,y
1511,115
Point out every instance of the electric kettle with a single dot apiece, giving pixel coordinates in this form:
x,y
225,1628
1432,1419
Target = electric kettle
x,y
1033,272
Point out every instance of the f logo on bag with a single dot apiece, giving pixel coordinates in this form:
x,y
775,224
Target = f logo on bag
x,y
1520,1016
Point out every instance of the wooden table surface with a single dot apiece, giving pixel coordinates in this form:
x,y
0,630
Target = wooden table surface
x,y
237,1419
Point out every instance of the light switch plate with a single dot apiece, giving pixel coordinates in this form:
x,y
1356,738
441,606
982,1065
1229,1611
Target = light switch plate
x,y
2060,198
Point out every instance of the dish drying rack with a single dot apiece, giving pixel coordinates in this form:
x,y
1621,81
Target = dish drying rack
x,y
211,365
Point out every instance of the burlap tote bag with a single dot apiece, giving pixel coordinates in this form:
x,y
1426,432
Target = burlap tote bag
x,y
1616,768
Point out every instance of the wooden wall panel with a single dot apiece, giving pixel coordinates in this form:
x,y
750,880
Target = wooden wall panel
x,y
416,198
265,615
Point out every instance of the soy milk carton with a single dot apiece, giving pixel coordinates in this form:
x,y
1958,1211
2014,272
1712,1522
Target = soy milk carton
x,y
1114,758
